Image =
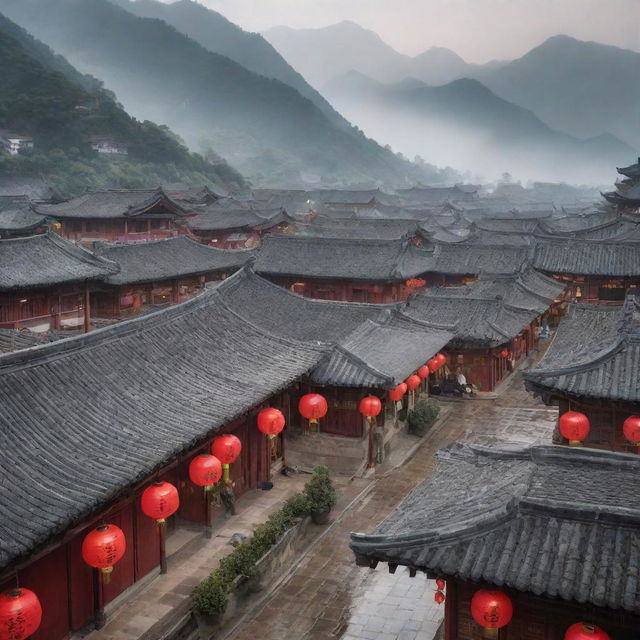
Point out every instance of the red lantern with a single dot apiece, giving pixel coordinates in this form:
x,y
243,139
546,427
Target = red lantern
x,y
103,547
574,426
160,500
631,430
423,371
439,597
440,583
395,394
205,470
226,448
412,382
433,365
20,614
491,610
442,359
313,406
271,421
370,406
584,631
504,353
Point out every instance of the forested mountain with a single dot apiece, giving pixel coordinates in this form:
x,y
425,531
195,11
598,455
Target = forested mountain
x,y
465,125
262,126
43,96
583,88
215,33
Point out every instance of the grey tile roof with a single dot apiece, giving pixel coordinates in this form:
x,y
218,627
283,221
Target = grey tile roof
x,y
347,258
43,260
385,229
216,219
114,421
587,257
33,187
168,259
438,195
381,353
112,203
367,345
632,171
16,215
489,312
550,521
469,258
595,353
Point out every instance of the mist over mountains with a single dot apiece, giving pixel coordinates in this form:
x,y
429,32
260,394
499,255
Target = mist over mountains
x,y
567,110
44,97
323,54
265,128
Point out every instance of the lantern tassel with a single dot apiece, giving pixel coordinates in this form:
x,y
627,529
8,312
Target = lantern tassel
x,y
489,632
106,574
225,473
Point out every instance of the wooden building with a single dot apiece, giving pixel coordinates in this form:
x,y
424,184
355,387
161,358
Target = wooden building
x,y
130,215
438,195
595,270
627,194
238,228
159,273
495,321
351,269
45,283
369,349
555,529
89,422
592,366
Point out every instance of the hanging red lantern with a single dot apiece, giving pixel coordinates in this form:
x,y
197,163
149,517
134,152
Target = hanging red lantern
x,y
433,365
440,583
492,610
631,430
205,470
442,359
271,421
412,382
395,394
439,597
504,353
20,614
423,371
370,406
574,426
585,631
159,501
103,547
226,448
313,406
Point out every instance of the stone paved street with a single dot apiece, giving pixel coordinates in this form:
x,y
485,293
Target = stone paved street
x,y
327,596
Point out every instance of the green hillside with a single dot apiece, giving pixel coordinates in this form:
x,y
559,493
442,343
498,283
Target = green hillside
x,y
263,127
43,96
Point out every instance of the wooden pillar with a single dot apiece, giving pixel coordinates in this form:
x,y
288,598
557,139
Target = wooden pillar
x,y
371,464
451,611
126,229
208,528
162,533
99,618
87,308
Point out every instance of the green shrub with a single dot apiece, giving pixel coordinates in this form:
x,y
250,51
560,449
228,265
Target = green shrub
x,y
211,595
320,491
423,416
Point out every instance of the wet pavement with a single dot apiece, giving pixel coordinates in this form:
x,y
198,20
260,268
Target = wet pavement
x,y
326,596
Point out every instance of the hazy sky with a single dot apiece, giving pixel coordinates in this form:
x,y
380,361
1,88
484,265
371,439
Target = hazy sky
x,y
478,30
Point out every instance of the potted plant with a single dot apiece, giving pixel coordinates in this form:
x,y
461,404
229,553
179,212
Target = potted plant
x,y
321,495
